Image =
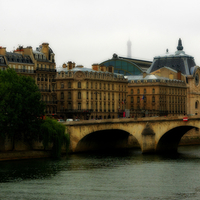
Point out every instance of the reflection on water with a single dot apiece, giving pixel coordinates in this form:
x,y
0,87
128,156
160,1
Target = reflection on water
x,y
123,174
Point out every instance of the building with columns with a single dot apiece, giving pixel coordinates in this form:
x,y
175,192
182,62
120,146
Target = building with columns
x,y
85,93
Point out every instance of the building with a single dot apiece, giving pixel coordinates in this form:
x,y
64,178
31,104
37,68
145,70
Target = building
x,y
38,64
127,66
154,95
96,93
180,66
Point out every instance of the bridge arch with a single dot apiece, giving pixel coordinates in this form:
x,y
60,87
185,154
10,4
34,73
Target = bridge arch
x,y
168,142
106,140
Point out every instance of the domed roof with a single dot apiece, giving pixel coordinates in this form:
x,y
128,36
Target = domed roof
x,y
178,61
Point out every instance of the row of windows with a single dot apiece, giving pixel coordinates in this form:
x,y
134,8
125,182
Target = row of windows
x,y
162,91
22,67
162,99
102,107
92,75
144,91
42,66
96,86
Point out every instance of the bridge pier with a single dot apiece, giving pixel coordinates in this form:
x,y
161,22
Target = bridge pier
x,y
148,139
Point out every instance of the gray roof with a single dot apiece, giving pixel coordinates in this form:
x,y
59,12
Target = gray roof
x,y
83,69
178,61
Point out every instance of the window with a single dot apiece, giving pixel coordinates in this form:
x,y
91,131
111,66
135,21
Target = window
x,y
69,84
79,95
62,95
138,99
196,104
153,91
153,99
79,106
87,85
79,84
69,95
69,106
138,91
131,91
131,99
87,95
62,85
145,91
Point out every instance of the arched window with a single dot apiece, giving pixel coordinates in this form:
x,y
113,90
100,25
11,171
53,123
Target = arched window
x,y
79,84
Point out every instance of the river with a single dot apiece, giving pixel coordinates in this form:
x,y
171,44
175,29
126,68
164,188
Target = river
x,y
117,175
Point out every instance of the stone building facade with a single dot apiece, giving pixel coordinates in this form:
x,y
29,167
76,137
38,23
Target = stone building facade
x,y
38,64
85,93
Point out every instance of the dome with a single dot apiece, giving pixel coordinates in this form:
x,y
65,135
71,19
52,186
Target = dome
x,y
178,61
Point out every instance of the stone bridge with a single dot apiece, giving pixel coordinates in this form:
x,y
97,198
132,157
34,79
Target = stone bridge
x,y
158,134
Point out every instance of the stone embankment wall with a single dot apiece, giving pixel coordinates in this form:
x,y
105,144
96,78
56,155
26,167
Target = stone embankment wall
x,y
24,151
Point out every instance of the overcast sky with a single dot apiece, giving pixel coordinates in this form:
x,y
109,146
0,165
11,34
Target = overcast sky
x,y
90,31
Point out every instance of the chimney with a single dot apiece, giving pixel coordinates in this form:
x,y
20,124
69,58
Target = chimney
x,y
95,67
64,65
3,51
69,65
45,49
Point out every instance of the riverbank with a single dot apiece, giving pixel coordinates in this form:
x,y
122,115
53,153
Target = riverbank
x,y
20,155
190,138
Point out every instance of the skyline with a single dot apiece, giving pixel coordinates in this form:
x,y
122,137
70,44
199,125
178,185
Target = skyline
x,y
88,32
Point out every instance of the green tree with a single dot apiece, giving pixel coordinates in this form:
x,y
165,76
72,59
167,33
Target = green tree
x,y
20,106
53,132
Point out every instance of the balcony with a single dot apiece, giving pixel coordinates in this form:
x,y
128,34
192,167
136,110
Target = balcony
x,y
24,71
44,90
45,69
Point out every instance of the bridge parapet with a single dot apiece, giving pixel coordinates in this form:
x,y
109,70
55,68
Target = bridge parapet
x,y
153,134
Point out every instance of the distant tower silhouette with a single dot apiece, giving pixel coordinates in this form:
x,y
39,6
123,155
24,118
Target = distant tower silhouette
x,y
129,49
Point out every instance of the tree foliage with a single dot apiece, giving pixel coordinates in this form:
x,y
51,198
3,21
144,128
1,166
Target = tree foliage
x,y
20,106
53,133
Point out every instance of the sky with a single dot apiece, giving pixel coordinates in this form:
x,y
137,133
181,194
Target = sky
x,y
91,31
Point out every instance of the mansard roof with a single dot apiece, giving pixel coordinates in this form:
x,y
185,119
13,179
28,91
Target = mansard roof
x,y
179,61
15,57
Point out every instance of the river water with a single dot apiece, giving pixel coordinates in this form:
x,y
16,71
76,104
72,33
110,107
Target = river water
x,y
115,175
